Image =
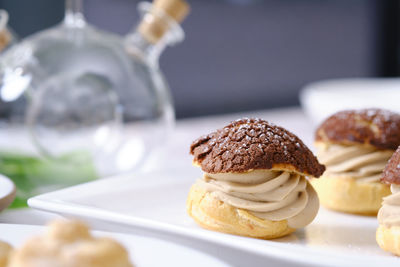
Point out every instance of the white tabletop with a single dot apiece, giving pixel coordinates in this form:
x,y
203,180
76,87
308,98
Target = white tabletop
x,y
176,154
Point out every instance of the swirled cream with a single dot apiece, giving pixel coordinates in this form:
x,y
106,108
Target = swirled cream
x,y
268,194
360,162
389,214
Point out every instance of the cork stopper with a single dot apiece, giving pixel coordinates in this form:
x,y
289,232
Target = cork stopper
x,y
5,35
5,39
157,21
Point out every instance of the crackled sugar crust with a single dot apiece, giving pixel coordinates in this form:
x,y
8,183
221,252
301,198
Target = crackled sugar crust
x,y
376,127
248,144
391,173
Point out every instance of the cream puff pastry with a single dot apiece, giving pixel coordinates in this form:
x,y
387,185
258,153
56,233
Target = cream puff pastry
x,y
388,233
5,251
254,181
355,146
69,244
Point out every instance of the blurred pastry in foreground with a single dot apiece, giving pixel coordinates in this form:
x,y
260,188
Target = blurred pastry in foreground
x,y
5,251
355,146
388,233
69,244
254,182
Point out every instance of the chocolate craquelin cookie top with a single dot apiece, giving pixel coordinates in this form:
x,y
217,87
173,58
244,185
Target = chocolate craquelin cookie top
x,y
248,144
376,127
391,173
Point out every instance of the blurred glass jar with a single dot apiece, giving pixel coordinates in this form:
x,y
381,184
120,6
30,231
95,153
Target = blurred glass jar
x,y
77,103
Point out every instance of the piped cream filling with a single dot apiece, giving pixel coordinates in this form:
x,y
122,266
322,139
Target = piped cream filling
x,y
365,164
389,214
268,194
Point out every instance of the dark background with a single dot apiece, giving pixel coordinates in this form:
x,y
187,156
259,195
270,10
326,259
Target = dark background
x,y
247,54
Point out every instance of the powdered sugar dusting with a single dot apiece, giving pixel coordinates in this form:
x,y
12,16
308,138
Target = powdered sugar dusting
x,y
253,144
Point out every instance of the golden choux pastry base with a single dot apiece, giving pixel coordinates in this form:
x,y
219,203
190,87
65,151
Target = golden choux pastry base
x,y
389,239
348,195
213,214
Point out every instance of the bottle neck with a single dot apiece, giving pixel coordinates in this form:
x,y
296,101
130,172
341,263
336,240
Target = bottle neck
x,y
155,31
137,44
74,13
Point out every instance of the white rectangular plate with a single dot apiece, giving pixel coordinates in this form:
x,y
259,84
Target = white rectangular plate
x,y
154,204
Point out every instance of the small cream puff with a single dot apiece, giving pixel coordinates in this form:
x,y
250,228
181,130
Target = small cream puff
x,y
254,181
388,233
69,244
5,251
355,146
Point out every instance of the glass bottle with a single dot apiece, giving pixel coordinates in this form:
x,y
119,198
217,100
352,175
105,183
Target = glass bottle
x,y
80,103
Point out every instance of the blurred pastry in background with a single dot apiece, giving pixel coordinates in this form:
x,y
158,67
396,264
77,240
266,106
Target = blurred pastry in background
x,y
254,181
388,233
5,251
355,146
69,244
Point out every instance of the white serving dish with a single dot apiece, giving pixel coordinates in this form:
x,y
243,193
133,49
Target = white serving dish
x,y
323,98
154,204
143,251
